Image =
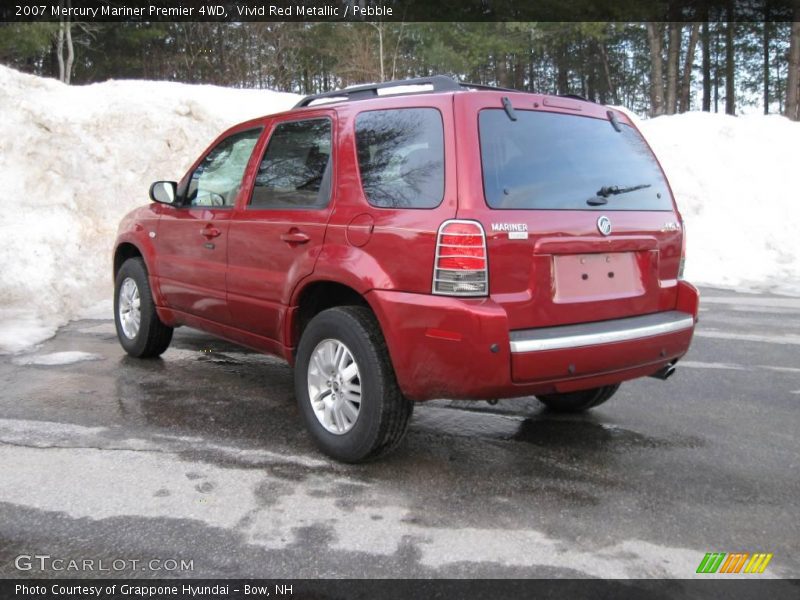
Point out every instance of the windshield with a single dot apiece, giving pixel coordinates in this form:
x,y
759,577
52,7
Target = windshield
x,y
555,161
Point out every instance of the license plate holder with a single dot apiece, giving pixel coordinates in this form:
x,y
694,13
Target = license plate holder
x,y
593,277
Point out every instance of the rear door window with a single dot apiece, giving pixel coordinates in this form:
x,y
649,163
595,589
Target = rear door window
x,y
555,161
401,157
295,171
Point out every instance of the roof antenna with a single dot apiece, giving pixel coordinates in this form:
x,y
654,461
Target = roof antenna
x,y
612,116
509,109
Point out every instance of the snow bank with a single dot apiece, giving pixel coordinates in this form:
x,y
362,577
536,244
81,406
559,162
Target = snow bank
x,y
737,184
73,161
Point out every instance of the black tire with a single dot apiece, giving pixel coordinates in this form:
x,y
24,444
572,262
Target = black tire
x,y
575,402
152,337
384,412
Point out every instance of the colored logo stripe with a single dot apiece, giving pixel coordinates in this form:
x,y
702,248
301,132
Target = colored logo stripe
x,y
734,563
711,562
758,563
732,558
702,567
717,562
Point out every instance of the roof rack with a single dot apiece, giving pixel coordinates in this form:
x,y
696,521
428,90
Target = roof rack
x,y
483,86
439,83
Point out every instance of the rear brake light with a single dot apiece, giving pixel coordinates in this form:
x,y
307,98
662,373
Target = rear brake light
x,y
682,264
460,267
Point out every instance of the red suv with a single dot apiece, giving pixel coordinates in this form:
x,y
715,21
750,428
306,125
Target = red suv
x,y
445,240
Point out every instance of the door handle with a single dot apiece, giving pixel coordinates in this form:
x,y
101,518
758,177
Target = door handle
x,y
209,231
294,236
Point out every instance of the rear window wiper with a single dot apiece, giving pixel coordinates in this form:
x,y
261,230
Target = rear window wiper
x,y
614,190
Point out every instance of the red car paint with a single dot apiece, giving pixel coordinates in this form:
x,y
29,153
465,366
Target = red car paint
x,y
248,287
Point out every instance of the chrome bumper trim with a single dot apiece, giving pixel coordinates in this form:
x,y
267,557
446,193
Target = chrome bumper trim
x,y
601,332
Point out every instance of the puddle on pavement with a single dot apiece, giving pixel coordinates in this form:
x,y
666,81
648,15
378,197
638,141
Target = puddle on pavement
x,y
579,432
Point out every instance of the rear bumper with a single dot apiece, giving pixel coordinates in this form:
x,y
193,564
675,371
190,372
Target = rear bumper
x,y
603,332
573,360
444,347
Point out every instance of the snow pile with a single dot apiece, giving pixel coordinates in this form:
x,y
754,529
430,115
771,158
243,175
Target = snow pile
x,y
73,161
737,184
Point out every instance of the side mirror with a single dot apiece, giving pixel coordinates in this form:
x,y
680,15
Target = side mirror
x,y
163,192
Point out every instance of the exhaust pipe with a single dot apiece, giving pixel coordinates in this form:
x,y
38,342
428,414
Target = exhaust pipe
x,y
664,373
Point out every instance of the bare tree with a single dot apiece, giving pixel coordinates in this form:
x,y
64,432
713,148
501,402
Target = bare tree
x,y
793,81
60,48
64,37
706,42
397,49
765,59
656,69
730,64
612,89
673,55
70,49
379,27
562,70
688,66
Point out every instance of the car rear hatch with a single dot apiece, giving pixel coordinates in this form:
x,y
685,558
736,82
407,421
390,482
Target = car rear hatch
x,y
579,218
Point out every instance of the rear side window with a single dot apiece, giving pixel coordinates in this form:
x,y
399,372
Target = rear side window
x,y
401,157
554,161
295,171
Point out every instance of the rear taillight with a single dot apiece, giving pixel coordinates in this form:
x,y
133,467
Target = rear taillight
x,y
683,250
460,267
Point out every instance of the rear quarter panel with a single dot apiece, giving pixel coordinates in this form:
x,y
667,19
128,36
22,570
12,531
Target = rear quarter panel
x,y
386,248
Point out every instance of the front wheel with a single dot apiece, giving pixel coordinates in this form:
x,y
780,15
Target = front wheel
x,y
141,333
574,402
346,388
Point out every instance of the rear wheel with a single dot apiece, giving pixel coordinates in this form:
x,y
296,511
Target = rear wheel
x,y
573,402
346,388
141,333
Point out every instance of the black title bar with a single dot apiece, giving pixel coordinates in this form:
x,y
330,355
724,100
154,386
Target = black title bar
x,y
394,589
398,10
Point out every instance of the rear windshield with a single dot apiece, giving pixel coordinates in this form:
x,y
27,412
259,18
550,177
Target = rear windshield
x,y
554,161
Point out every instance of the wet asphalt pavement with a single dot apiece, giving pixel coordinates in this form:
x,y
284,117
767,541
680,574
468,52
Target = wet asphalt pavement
x,y
202,456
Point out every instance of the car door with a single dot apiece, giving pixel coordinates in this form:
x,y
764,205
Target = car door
x,y
276,233
192,238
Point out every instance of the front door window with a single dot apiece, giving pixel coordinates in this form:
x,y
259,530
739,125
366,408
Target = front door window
x,y
217,179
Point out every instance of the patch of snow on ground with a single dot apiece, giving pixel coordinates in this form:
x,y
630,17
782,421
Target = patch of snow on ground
x,y
21,328
75,159
56,358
